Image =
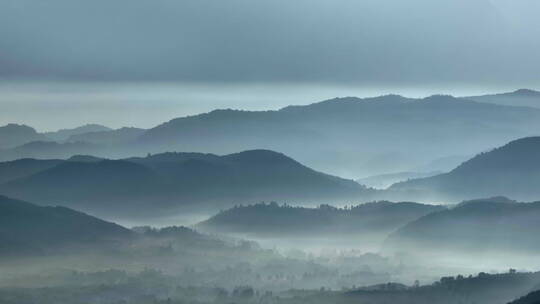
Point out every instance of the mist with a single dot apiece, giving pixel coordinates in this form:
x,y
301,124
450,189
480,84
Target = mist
x,y
269,152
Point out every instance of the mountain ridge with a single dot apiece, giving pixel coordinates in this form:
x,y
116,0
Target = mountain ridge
x,y
510,170
173,181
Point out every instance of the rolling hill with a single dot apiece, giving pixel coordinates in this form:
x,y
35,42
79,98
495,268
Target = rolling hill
x,y
16,169
65,134
48,150
162,183
108,137
497,226
26,228
13,135
379,218
521,97
512,170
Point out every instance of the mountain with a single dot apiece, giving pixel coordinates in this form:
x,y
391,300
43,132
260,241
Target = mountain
x,y
65,134
484,226
385,180
343,136
163,183
31,229
49,150
13,135
16,169
284,221
512,170
108,137
351,136
521,97
85,159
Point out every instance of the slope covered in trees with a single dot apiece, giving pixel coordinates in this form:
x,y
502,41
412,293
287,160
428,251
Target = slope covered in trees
x,y
512,170
29,229
379,218
491,227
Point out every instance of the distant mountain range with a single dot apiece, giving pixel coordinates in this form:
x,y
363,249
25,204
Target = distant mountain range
x,y
49,150
65,134
108,137
29,229
496,225
344,136
353,136
371,219
512,170
162,183
521,97
13,135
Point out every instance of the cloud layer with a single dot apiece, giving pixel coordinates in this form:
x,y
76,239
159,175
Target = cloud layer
x,y
369,41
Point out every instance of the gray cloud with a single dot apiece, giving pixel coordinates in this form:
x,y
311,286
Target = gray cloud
x,y
369,41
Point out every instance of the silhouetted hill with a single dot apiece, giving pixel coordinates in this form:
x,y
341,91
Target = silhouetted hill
x,y
65,134
85,159
344,136
13,135
108,137
29,229
48,150
531,298
262,219
521,97
512,170
483,288
96,186
164,182
352,135
24,167
477,227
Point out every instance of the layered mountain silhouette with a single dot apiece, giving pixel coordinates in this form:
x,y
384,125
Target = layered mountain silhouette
x,y
378,218
521,97
49,150
26,228
24,167
13,135
29,230
344,136
108,137
65,134
512,170
157,184
496,225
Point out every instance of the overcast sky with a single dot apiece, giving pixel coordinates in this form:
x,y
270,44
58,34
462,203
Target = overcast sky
x,y
387,44
368,41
